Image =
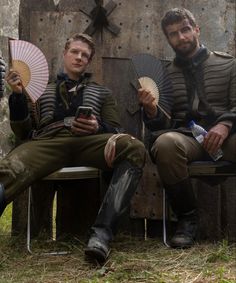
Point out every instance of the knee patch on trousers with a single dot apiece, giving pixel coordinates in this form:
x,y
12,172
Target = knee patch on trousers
x,y
124,147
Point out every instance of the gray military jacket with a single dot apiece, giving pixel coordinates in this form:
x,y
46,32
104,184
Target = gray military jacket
x,y
204,90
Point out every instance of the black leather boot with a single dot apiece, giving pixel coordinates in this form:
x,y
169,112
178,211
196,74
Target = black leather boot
x,y
123,184
183,204
2,199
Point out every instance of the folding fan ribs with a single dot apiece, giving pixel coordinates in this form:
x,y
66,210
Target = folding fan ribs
x,y
152,75
31,64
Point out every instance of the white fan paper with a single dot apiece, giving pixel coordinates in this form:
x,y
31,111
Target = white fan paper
x,y
149,84
32,65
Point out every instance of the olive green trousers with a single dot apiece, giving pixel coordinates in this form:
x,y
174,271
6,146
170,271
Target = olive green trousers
x,y
35,159
173,151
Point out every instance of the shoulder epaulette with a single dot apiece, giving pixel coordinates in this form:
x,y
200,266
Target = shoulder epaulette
x,y
166,63
93,82
223,54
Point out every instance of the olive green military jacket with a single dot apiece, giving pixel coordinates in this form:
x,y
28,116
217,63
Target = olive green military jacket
x,y
213,101
42,113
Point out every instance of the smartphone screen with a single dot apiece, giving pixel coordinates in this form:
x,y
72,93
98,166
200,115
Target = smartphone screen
x,y
83,112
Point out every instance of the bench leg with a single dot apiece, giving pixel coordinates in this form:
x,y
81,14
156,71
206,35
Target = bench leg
x,y
164,219
28,222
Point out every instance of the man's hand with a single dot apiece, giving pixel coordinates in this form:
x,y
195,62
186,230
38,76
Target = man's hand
x,y
84,127
14,81
215,138
148,101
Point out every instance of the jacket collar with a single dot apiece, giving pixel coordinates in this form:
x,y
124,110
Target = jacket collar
x,y
64,77
201,55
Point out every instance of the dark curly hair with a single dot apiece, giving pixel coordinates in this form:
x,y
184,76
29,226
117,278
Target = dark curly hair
x,y
177,15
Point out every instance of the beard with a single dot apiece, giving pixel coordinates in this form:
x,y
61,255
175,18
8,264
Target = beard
x,y
188,49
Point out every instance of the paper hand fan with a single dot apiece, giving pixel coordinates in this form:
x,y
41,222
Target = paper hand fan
x,y
152,75
31,64
149,84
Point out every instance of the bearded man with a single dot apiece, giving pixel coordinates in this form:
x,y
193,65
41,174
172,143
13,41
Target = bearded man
x,y
204,90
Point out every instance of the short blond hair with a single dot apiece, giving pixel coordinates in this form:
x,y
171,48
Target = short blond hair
x,y
84,38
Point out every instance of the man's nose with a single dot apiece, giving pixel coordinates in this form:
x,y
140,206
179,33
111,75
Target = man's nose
x,y
181,35
79,55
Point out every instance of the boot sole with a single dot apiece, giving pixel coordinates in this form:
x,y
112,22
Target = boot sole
x,y
96,254
181,247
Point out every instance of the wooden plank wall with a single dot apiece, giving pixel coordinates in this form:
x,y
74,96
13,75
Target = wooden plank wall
x,y
47,26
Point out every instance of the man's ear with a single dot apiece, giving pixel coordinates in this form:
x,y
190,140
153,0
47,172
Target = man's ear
x,y
90,60
197,29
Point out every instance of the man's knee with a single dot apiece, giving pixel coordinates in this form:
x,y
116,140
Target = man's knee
x,y
166,147
131,149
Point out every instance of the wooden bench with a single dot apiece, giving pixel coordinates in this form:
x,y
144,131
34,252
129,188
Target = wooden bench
x,y
204,169
74,173
211,168
197,169
67,173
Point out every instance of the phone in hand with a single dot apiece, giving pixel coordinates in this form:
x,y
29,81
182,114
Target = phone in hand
x,y
83,112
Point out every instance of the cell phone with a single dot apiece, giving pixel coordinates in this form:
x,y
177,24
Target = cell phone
x,y
83,112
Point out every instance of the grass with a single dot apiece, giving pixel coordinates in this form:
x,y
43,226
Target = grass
x,y
131,260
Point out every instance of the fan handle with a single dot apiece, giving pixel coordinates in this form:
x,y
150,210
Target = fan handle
x,y
164,112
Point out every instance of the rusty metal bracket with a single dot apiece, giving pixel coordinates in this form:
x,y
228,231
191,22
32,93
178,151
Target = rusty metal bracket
x,y
99,18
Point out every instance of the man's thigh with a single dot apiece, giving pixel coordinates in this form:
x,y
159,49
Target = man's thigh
x,y
32,161
229,148
172,146
40,156
89,151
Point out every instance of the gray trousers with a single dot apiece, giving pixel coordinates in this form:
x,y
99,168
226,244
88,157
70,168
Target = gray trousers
x,y
173,151
35,159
